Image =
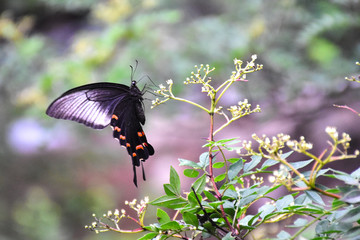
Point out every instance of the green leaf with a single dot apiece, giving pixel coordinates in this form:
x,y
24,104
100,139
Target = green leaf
x,y
218,165
191,173
210,196
352,216
301,164
204,160
191,219
175,180
193,200
315,197
246,200
234,169
283,235
188,163
285,155
250,165
284,202
266,210
162,216
272,189
228,236
234,160
170,190
300,222
356,173
269,163
220,177
149,236
172,202
216,204
245,220
173,225
254,219
353,233
347,179
199,184
352,196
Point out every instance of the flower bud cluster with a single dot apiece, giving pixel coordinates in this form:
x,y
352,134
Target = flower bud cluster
x,y
281,176
240,73
273,145
200,76
299,146
257,179
242,109
104,223
164,92
138,207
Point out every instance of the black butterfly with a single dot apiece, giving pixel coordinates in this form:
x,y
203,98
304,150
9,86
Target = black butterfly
x,y
100,104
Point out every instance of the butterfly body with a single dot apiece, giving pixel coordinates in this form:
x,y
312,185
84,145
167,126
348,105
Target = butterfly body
x,y
99,104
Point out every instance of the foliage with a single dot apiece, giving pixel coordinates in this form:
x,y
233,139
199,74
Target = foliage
x,y
220,203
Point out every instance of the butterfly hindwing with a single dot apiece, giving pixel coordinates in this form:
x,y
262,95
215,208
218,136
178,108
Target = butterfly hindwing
x,y
127,129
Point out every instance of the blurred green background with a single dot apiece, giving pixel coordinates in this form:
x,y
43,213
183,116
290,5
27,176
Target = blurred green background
x,y
54,174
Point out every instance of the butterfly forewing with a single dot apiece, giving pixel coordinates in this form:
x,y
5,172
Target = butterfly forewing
x,y
91,104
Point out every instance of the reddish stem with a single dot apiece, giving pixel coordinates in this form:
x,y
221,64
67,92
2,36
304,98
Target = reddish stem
x,y
211,174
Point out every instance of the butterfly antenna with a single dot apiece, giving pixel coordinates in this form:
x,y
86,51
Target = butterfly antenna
x,y
133,70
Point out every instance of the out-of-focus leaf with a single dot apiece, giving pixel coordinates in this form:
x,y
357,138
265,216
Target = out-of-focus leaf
x,y
255,160
283,235
173,225
191,173
191,219
284,202
352,216
300,222
149,236
352,196
210,196
301,164
269,163
218,165
199,184
188,163
228,237
204,160
265,210
315,197
356,173
234,169
220,177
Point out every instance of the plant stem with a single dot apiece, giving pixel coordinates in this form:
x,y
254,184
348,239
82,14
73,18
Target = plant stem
x,y
211,173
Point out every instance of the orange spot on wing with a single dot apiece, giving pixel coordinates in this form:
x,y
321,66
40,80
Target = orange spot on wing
x,y
134,154
122,137
116,128
140,134
139,147
128,145
115,117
